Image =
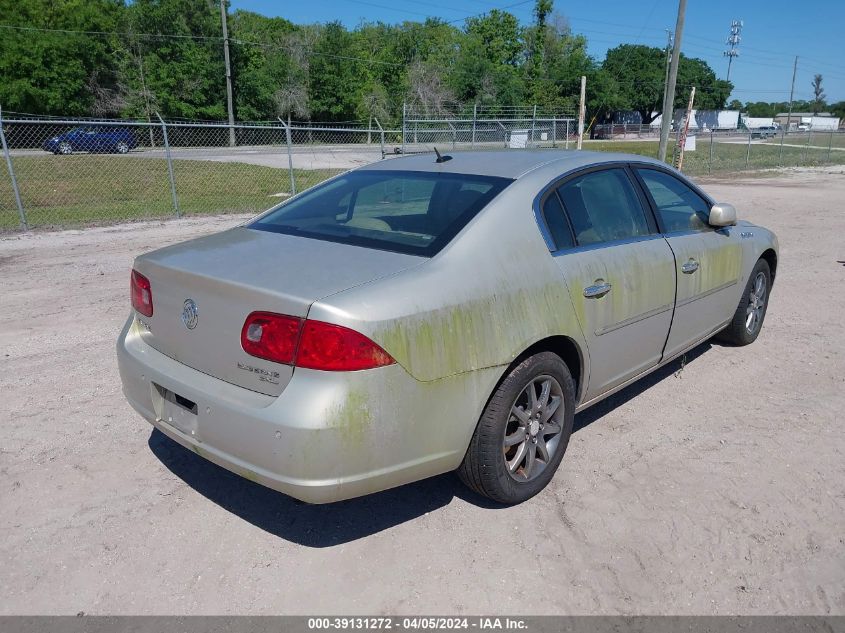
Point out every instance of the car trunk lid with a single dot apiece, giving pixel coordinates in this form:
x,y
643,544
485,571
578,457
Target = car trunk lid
x,y
224,277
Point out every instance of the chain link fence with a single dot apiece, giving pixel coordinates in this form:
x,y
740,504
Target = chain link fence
x,y
72,173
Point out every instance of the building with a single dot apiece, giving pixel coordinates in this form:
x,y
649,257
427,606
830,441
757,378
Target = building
x,y
808,120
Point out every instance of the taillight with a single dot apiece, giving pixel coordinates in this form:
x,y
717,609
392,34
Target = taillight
x,y
335,348
142,295
271,336
310,344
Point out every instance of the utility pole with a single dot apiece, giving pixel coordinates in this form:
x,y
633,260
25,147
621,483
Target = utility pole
x,y
733,41
668,58
791,95
228,74
669,96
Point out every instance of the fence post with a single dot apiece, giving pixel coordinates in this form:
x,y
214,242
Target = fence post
x,y
566,140
290,157
474,117
381,134
533,122
554,131
404,107
780,155
504,133
21,212
829,144
710,164
169,165
748,150
807,146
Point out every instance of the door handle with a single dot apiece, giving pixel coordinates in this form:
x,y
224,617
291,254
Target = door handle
x,y
597,291
690,267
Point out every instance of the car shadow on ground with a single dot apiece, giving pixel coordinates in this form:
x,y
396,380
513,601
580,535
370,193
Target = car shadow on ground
x,y
334,524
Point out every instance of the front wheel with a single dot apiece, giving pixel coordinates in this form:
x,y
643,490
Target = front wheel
x,y
65,148
523,432
122,148
748,318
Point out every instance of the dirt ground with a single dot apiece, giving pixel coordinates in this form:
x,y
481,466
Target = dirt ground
x,y
715,486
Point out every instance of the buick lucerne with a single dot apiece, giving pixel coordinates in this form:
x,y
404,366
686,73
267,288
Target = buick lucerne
x,y
419,315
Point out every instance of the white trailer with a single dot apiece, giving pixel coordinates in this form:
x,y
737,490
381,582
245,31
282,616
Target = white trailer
x,y
819,123
752,122
709,119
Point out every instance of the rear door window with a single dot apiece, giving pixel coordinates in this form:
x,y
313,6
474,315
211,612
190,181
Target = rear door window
x,y
408,212
603,207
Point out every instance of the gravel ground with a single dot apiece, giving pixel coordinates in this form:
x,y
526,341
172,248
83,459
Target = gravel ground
x,y
715,486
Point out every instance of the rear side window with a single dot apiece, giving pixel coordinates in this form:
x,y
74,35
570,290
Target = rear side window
x,y
679,207
603,207
557,223
409,212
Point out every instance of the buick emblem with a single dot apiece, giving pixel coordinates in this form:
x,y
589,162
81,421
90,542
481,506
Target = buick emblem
x,y
190,314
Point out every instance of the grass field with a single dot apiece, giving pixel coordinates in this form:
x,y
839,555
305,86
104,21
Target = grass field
x,y
728,156
86,189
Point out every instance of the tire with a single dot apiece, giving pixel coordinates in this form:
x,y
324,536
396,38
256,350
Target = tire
x,y
745,328
65,148
492,466
122,148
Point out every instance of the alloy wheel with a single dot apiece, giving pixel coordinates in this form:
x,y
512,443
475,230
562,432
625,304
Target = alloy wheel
x,y
533,430
756,303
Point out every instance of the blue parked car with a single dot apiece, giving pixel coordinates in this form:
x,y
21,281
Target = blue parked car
x,y
92,138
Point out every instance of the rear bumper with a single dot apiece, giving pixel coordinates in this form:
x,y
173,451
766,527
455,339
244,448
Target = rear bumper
x,y
329,436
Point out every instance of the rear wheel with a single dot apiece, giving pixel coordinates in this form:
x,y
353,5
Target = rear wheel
x,y
65,148
748,318
523,432
122,147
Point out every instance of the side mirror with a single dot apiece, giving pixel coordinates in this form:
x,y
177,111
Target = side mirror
x,y
722,214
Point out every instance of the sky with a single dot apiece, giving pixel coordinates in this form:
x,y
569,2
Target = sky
x,y
774,32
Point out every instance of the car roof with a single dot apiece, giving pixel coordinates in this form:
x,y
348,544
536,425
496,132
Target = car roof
x,y
505,163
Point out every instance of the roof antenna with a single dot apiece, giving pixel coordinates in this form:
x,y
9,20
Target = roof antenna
x,y
441,158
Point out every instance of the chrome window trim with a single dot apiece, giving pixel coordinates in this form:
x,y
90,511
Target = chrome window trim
x,y
600,245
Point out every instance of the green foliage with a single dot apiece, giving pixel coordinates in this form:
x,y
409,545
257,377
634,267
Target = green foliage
x,y
53,72
636,74
639,73
128,65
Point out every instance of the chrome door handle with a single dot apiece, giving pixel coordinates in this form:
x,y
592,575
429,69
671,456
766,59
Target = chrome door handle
x,y
690,267
596,291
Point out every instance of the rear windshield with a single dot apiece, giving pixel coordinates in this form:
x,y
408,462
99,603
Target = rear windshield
x,y
409,212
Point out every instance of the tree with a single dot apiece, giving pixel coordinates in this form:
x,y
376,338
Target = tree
x,y
334,85
185,73
818,94
536,37
710,93
263,64
53,71
638,72
500,36
427,91
292,98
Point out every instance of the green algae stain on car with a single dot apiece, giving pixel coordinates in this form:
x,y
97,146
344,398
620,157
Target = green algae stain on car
x,y
479,333
352,417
